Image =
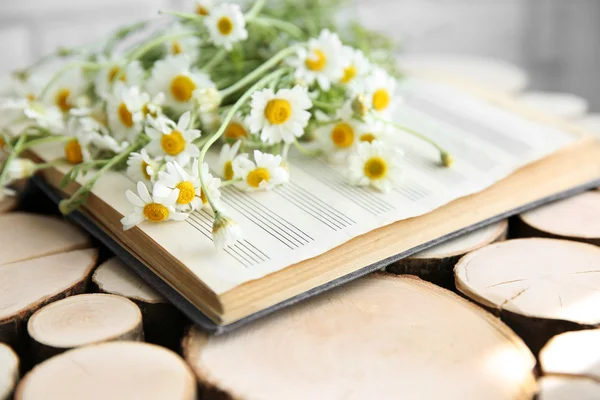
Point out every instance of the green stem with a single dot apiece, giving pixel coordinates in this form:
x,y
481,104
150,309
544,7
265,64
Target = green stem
x,y
305,151
219,57
10,158
66,206
48,164
260,70
256,8
234,109
49,139
327,106
64,70
140,51
282,25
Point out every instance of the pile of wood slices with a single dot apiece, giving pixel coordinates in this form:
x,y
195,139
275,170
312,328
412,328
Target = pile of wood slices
x,y
509,311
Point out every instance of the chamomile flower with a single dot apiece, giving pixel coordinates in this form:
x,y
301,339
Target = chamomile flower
x,y
226,159
358,66
173,141
148,208
174,77
78,149
375,164
339,137
378,91
203,7
141,167
188,45
48,117
117,70
20,168
236,129
225,231
265,173
125,113
209,99
226,25
191,196
65,92
279,116
323,61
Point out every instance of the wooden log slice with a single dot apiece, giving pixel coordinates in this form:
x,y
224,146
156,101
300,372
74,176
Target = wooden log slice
x,y
540,287
26,236
112,370
81,320
381,337
28,285
436,264
576,218
9,371
573,353
568,388
163,323
563,105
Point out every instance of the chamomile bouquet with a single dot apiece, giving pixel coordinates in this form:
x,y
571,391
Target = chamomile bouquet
x,y
247,84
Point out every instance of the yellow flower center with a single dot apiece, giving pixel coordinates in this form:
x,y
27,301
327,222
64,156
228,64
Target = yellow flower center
x,y
342,135
176,48
201,10
225,25
62,100
31,97
381,99
173,143
125,116
156,212
278,111
376,168
367,137
113,72
144,167
258,175
73,152
186,192
228,171
146,111
316,61
235,131
2,143
203,197
349,74
182,87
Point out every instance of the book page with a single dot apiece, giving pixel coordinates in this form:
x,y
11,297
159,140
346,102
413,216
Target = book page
x,y
318,210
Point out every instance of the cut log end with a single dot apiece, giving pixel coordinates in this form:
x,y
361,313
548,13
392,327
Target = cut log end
x,y
417,334
576,218
81,320
574,354
9,371
540,287
163,323
28,285
115,370
436,264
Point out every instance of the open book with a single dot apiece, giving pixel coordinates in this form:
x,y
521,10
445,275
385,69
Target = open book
x,y
317,231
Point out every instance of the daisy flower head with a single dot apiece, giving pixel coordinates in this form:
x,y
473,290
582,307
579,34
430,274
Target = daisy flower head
x,y
171,141
236,129
226,25
323,61
141,167
65,92
125,113
279,116
189,45
203,7
117,70
174,77
376,164
339,137
229,153
48,117
358,66
77,150
209,99
225,231
378,91
148,208
266,172
191,196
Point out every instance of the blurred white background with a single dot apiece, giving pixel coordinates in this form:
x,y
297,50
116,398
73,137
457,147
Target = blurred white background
x,y
556,41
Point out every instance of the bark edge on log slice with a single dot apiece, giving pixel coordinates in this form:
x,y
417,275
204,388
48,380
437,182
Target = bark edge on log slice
x,y
9,371
436,264
519,280
576,218
83,320
376,335
115,370
59,275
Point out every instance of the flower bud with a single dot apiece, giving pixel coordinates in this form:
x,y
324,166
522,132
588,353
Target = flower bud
x,y
20,168
447,159
359,106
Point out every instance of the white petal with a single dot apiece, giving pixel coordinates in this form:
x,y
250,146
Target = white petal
x,y
134,199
